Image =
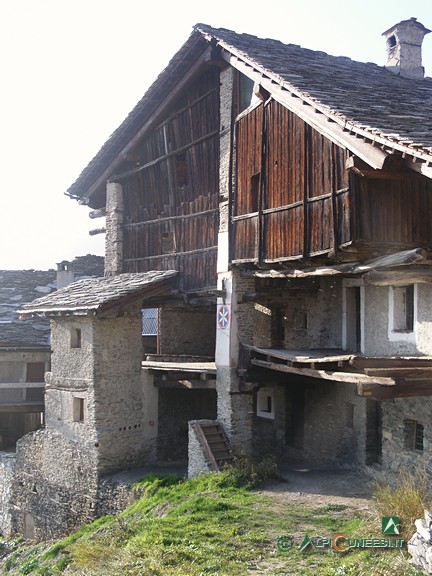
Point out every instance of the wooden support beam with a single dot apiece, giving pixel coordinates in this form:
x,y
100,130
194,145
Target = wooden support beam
x,y
100,213
414,372
97,231
414,275
186,384
363,362
405,389
20,385
23,407
335,376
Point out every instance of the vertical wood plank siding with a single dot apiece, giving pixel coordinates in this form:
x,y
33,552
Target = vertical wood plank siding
x,y
171,204
397,212
304,203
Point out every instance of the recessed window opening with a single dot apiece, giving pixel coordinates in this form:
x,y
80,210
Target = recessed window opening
x,y
413,435
181,170
35,372
168,242
76,338
78,409
265,403
403,308
391,41
349,415
255,186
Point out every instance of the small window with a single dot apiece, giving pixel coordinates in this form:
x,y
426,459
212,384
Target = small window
x,y
76,338
168,242
181,170
244,92
265,403
150,321
35,372
78,409
403,308
349,415
255,188
413,435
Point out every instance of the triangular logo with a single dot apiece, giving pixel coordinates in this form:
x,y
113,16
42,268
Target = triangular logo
x,y
390,525
306,542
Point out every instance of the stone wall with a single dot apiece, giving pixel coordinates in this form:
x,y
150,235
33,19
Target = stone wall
x,y
7,468
187,331
54,489
318,424
114,229
176,408
399,452
199,461
420,545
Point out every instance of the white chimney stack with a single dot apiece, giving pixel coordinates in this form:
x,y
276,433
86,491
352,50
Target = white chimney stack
x,y
404,42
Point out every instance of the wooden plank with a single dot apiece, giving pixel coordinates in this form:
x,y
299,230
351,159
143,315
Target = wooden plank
x,y
335,376
416,372
307,356
362,362
23,407
401,390
186,384
16,385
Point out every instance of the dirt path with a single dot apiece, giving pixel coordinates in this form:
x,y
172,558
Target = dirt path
x,y
320,487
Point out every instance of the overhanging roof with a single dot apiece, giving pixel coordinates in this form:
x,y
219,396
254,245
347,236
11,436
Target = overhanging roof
x,y
96,296
361,106
380,378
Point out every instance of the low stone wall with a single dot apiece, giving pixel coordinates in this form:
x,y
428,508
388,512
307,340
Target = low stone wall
x,y
199,461
420,545
7,467
113,497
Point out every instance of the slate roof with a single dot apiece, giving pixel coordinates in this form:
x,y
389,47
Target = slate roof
x,y
98,295
16,288
19,287
363,97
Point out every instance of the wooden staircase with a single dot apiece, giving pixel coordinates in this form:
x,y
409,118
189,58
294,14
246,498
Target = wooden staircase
x,y
217,442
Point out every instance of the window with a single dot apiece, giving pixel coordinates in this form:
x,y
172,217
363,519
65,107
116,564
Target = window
x,y
76,338
35,372
265,403
349,415
402,312
413,435
244,92
403,308
78,409
150,321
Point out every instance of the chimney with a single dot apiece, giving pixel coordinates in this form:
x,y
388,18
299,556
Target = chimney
x,y
65,274
404,41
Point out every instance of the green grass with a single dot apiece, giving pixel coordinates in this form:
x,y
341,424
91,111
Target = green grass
x,y
215,525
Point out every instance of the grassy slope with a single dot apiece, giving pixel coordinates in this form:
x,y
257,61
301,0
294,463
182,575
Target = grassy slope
x,y
210,526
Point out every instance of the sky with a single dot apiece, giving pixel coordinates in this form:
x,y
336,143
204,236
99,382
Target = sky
x,y
71,71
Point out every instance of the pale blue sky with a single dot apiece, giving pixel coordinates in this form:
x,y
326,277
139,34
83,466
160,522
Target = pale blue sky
x,y
71,70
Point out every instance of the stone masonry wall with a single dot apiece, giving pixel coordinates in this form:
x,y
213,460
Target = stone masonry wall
x,y
7,468
398,449
124,438
187,331
55,484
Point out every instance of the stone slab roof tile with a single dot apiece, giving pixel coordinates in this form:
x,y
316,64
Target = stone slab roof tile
x,y
16,288
96,294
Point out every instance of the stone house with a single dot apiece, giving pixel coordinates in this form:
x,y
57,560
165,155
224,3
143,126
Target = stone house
x,y
273,204
25,356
